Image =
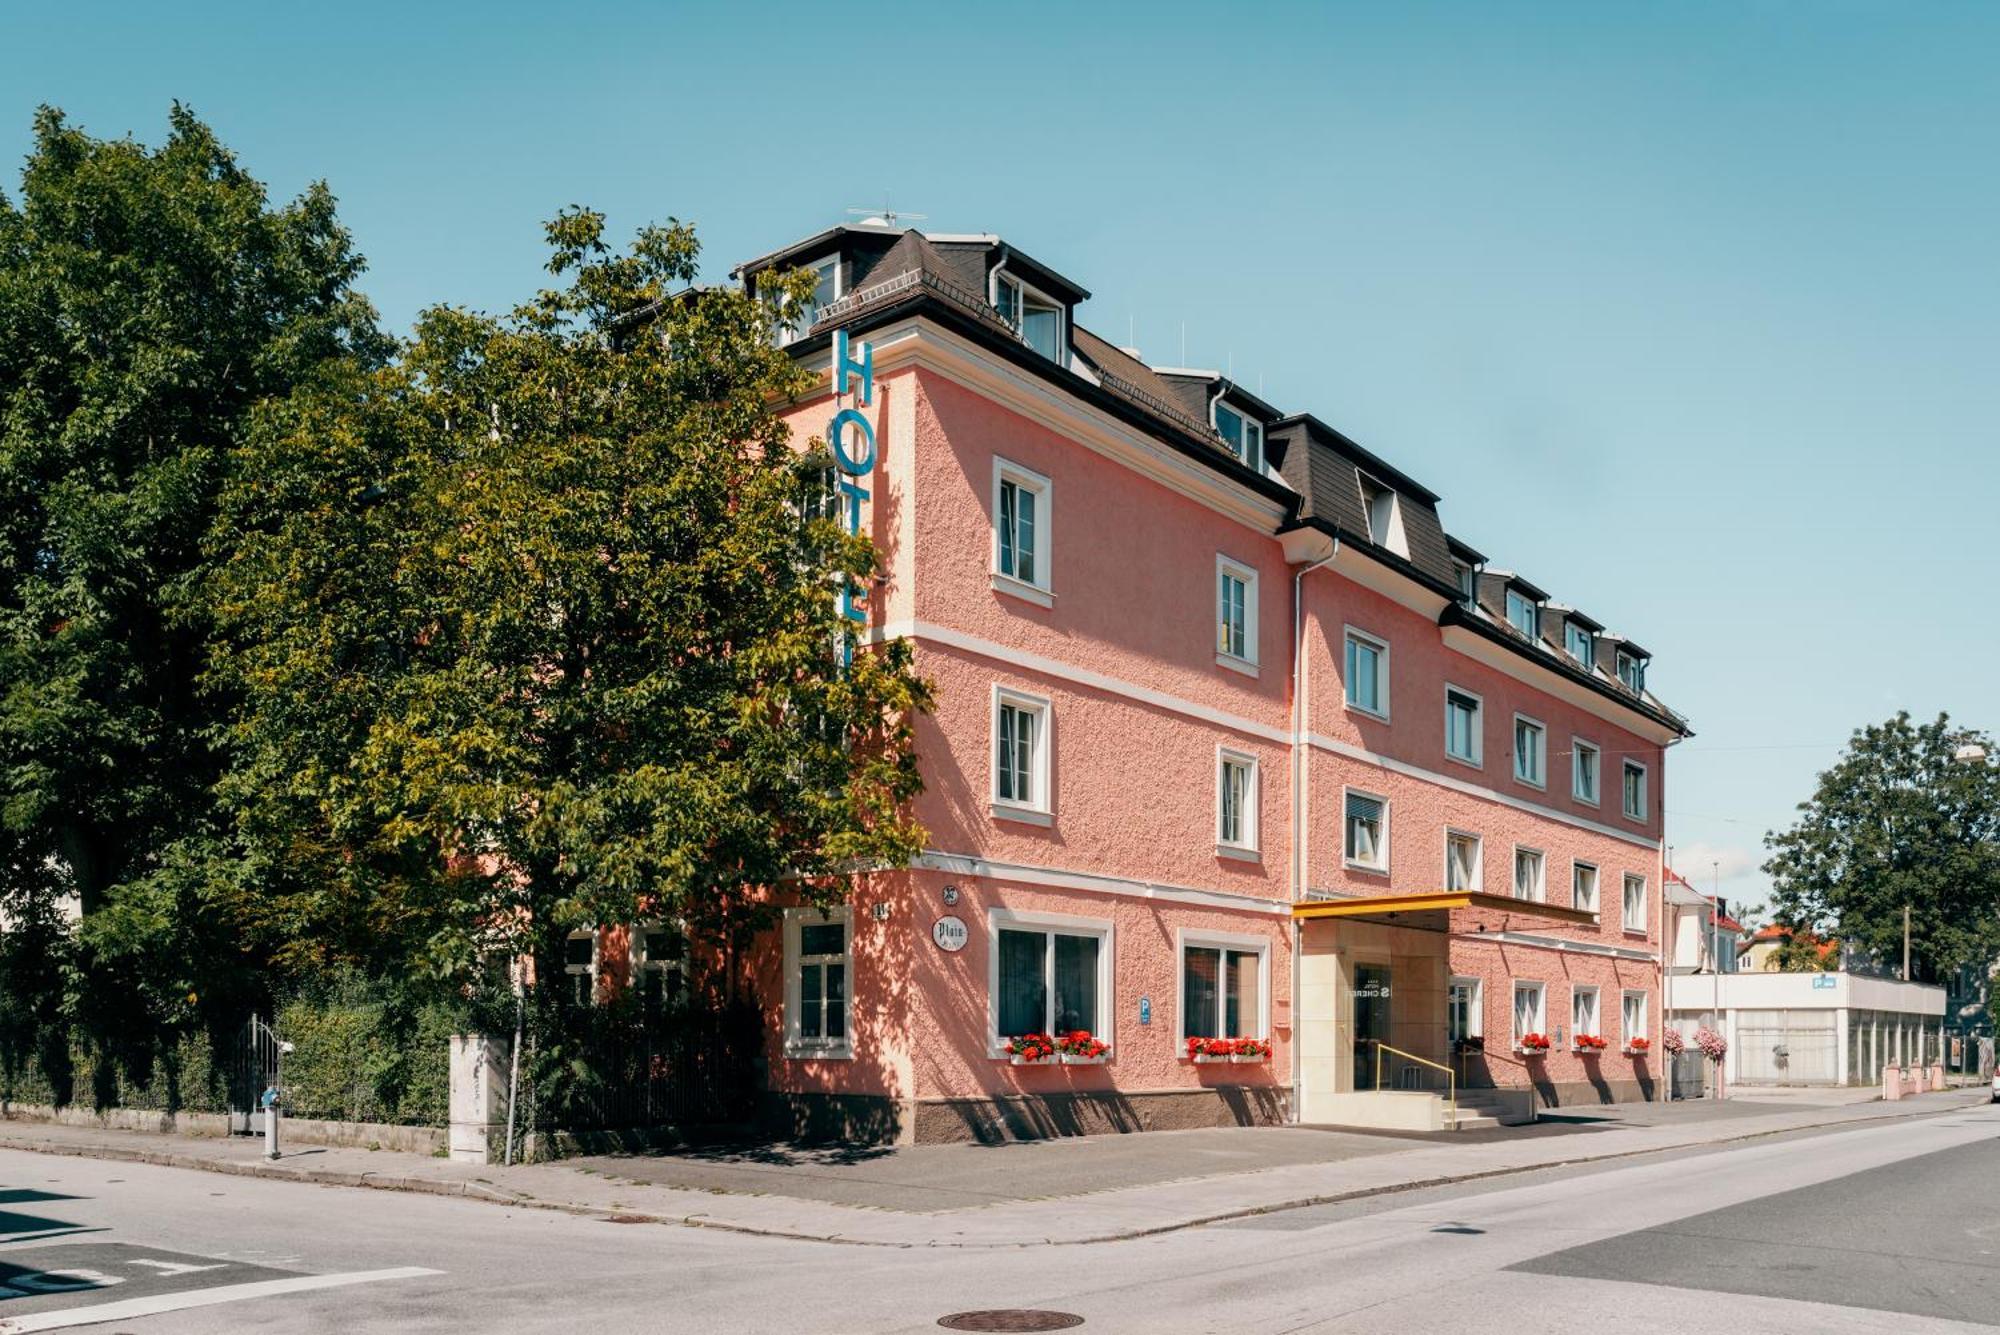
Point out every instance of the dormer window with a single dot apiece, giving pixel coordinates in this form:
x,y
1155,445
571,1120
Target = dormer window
x,y
1632,671
1244,437
1468,583
1582,645
1524,614
803,315
1036,318
1384,516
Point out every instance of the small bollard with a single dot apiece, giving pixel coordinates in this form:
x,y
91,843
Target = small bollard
x,y
270,1104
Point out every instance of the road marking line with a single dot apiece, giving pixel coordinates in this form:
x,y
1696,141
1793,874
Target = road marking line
x,y
133,1308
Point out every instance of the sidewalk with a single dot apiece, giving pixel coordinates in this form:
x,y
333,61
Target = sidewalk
x,y
1087,1189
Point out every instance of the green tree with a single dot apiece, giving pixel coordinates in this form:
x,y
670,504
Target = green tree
x,y
1898,821
534,631
148,299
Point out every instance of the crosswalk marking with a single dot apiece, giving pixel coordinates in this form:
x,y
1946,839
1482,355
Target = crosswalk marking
x,y
133,1308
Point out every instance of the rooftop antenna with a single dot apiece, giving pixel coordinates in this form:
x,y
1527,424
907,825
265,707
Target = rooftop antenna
x,y
887,214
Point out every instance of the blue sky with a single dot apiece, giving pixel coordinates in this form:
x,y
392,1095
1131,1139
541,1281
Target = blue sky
x,y
1687,311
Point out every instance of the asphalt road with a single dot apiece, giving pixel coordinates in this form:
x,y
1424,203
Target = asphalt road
x,y
1891,1227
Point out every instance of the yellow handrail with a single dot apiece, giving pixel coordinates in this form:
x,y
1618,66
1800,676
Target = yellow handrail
x,y
1450,1076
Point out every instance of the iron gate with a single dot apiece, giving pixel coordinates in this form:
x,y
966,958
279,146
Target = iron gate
x,y
253,1070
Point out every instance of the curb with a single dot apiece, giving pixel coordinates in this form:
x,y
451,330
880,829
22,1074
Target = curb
x,y
480,1191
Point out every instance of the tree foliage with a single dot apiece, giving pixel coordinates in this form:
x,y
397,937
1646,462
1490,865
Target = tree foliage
x,y
1899,820
148,299
533,630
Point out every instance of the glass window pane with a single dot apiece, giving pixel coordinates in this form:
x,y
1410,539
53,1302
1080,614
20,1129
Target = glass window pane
x,y
809,1001
1023,1000
1230,426
1008,493
577,951
1076,983
1041,326
1200,984
1245,1000
836,1001
1024,535
823,939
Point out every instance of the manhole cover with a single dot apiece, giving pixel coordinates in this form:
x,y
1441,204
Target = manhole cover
x,y
1011,1318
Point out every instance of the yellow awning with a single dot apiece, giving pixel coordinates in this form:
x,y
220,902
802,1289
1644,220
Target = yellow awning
x,y
1369,906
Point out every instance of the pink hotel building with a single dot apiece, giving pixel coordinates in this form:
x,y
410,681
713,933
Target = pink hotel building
x,y
1231,740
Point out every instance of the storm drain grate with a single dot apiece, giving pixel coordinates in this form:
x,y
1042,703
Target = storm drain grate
x,y
1011,1319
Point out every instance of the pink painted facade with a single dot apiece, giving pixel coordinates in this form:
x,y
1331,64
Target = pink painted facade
x,y
1113,652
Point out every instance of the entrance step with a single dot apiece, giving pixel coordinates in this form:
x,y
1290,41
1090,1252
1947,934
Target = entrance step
x,y
1468,1120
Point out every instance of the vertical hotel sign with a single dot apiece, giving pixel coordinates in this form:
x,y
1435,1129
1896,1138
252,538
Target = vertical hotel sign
x,y
853,442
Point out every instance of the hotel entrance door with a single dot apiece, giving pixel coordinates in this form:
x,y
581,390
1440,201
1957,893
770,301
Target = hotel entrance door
x,y
1371,1020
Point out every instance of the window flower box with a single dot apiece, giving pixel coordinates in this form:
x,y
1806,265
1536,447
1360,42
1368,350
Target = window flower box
x,y
1591,1045
1080,1047
1251,1050
1030,1050
1637,1047
1209,1051
1533,1045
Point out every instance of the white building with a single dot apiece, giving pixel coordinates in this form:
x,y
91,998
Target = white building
x,y
1810,1028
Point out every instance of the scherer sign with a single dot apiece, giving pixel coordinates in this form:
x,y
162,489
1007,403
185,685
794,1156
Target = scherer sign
x,y
853,442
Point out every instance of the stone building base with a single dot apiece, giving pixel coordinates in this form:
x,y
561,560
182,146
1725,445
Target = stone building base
x,y
992,1119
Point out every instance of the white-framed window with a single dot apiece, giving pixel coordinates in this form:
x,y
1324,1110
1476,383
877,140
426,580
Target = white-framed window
x,y
1585,761
1524,614
1468,583
1635,903
1582,645
1038,319
1632,1016
800,317
1225,985
1635,790
1020,754
1242,433
818,969
1464,1009
1367,844
1022,505
1585,1020
1235,613
1583,886
1048,973
660,962
1462,854
1531,879
1235,801
1531,744
1531,1014
1463,725
1385,516
1367,673
580,965
1632,671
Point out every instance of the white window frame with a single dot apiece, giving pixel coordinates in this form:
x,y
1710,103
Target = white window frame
x,y
1246,662
1477,760
675,973
1638,670
1346,855
1224,941
1541,991
821,1048
1022,291
1625,998
1589,655
1039,590
788,331
1067,924
1645,798
1625,884
1475,1018
1040,810
1246,847
572,972
1252,456
1596,995
1541,856
1596,885
1478,858
1381,648
1508,599
1542,758
1577,746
